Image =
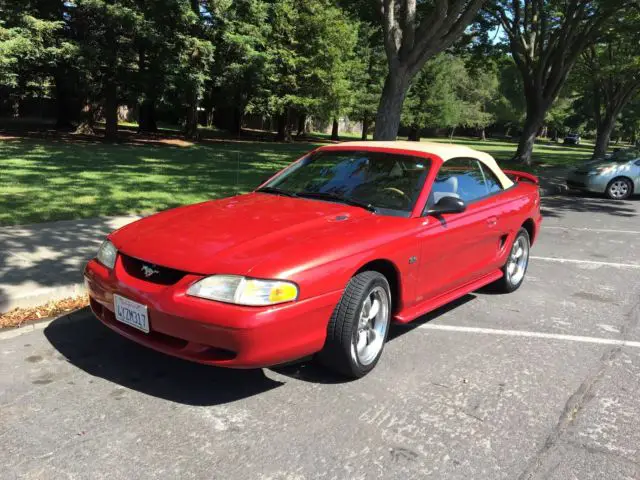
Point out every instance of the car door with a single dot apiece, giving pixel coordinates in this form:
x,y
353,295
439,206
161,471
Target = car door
x,y
459,248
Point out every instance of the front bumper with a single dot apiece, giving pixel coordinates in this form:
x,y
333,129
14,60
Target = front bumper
x,y
210,332
587,183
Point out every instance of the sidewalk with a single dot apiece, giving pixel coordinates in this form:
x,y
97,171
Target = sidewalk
x,y
44,262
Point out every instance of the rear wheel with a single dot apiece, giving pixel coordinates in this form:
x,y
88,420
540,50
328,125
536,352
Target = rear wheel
x,y
516,267
359,325
619,188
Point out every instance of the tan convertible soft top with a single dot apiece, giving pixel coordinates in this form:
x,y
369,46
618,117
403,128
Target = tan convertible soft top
x,y
446,151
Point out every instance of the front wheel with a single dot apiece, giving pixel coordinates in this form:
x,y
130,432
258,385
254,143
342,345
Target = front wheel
x,y
517,262
619,189
359,325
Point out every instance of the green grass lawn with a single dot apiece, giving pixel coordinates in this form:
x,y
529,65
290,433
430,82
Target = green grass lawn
x,y
545,154
43,180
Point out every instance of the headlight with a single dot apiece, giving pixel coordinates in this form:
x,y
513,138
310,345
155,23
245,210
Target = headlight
x,y
601,171
107,254
244,291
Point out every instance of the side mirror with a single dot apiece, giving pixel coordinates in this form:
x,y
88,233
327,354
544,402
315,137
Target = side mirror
x,y
447,205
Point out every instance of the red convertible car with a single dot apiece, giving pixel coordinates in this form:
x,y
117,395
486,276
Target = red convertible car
x,y
320,258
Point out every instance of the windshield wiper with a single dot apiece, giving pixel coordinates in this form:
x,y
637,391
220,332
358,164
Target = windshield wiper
x,y
332,197
276,191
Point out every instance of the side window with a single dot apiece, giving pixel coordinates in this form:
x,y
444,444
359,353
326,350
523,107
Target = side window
x,y
493,184
460,178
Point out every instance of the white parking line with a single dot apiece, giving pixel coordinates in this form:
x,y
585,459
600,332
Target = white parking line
x,y
523,333
601,230
587,262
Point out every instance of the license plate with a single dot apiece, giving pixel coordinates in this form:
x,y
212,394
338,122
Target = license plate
x,y
131,313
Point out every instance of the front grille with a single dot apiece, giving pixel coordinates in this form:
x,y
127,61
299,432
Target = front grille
x,y
150,272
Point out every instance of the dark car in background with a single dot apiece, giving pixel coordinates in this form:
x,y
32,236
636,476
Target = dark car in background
x,y
572,139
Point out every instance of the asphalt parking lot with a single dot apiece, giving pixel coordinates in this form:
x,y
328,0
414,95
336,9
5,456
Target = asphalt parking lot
x,y
542,383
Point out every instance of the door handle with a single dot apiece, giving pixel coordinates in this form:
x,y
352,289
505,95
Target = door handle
x,y
492,221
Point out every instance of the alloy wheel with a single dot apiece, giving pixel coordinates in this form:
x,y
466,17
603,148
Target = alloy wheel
x,y
619,189
518,259
373,323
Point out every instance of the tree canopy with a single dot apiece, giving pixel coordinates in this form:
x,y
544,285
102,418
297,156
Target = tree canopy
x,y
502,67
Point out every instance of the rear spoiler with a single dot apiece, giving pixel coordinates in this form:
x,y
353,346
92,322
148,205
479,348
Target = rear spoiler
x,y
517,176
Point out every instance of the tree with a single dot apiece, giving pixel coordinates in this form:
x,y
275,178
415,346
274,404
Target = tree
x,y
366,76
433,100
240,68
336,65
481,95
546,38
612,67
32,44
105,31
510,106
309,48
413,32
195,58
630,121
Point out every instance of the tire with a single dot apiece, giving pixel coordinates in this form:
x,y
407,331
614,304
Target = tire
x,y
619,188
352,325
510,282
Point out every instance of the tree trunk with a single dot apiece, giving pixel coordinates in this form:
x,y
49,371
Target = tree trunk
x,y
147,116
366,123
545,131
603,136
282,125
87,120
390,106
236,127
111,110
302,124
414,134
453,130
535,118
191,123
63,100
483,134
334,130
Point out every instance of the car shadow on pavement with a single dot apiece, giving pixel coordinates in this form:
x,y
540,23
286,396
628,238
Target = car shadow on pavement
x,y
309,371
92,347
557,206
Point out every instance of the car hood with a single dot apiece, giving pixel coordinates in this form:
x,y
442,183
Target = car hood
x,y
595,164
234,234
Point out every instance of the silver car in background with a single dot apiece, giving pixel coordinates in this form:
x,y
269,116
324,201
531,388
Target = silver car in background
x,y
617,175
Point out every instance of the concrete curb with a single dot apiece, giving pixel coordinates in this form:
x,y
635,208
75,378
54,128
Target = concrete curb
x,y
42,296
67,318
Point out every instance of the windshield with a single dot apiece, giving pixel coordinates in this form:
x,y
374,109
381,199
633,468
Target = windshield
x,y
623,156
389,182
